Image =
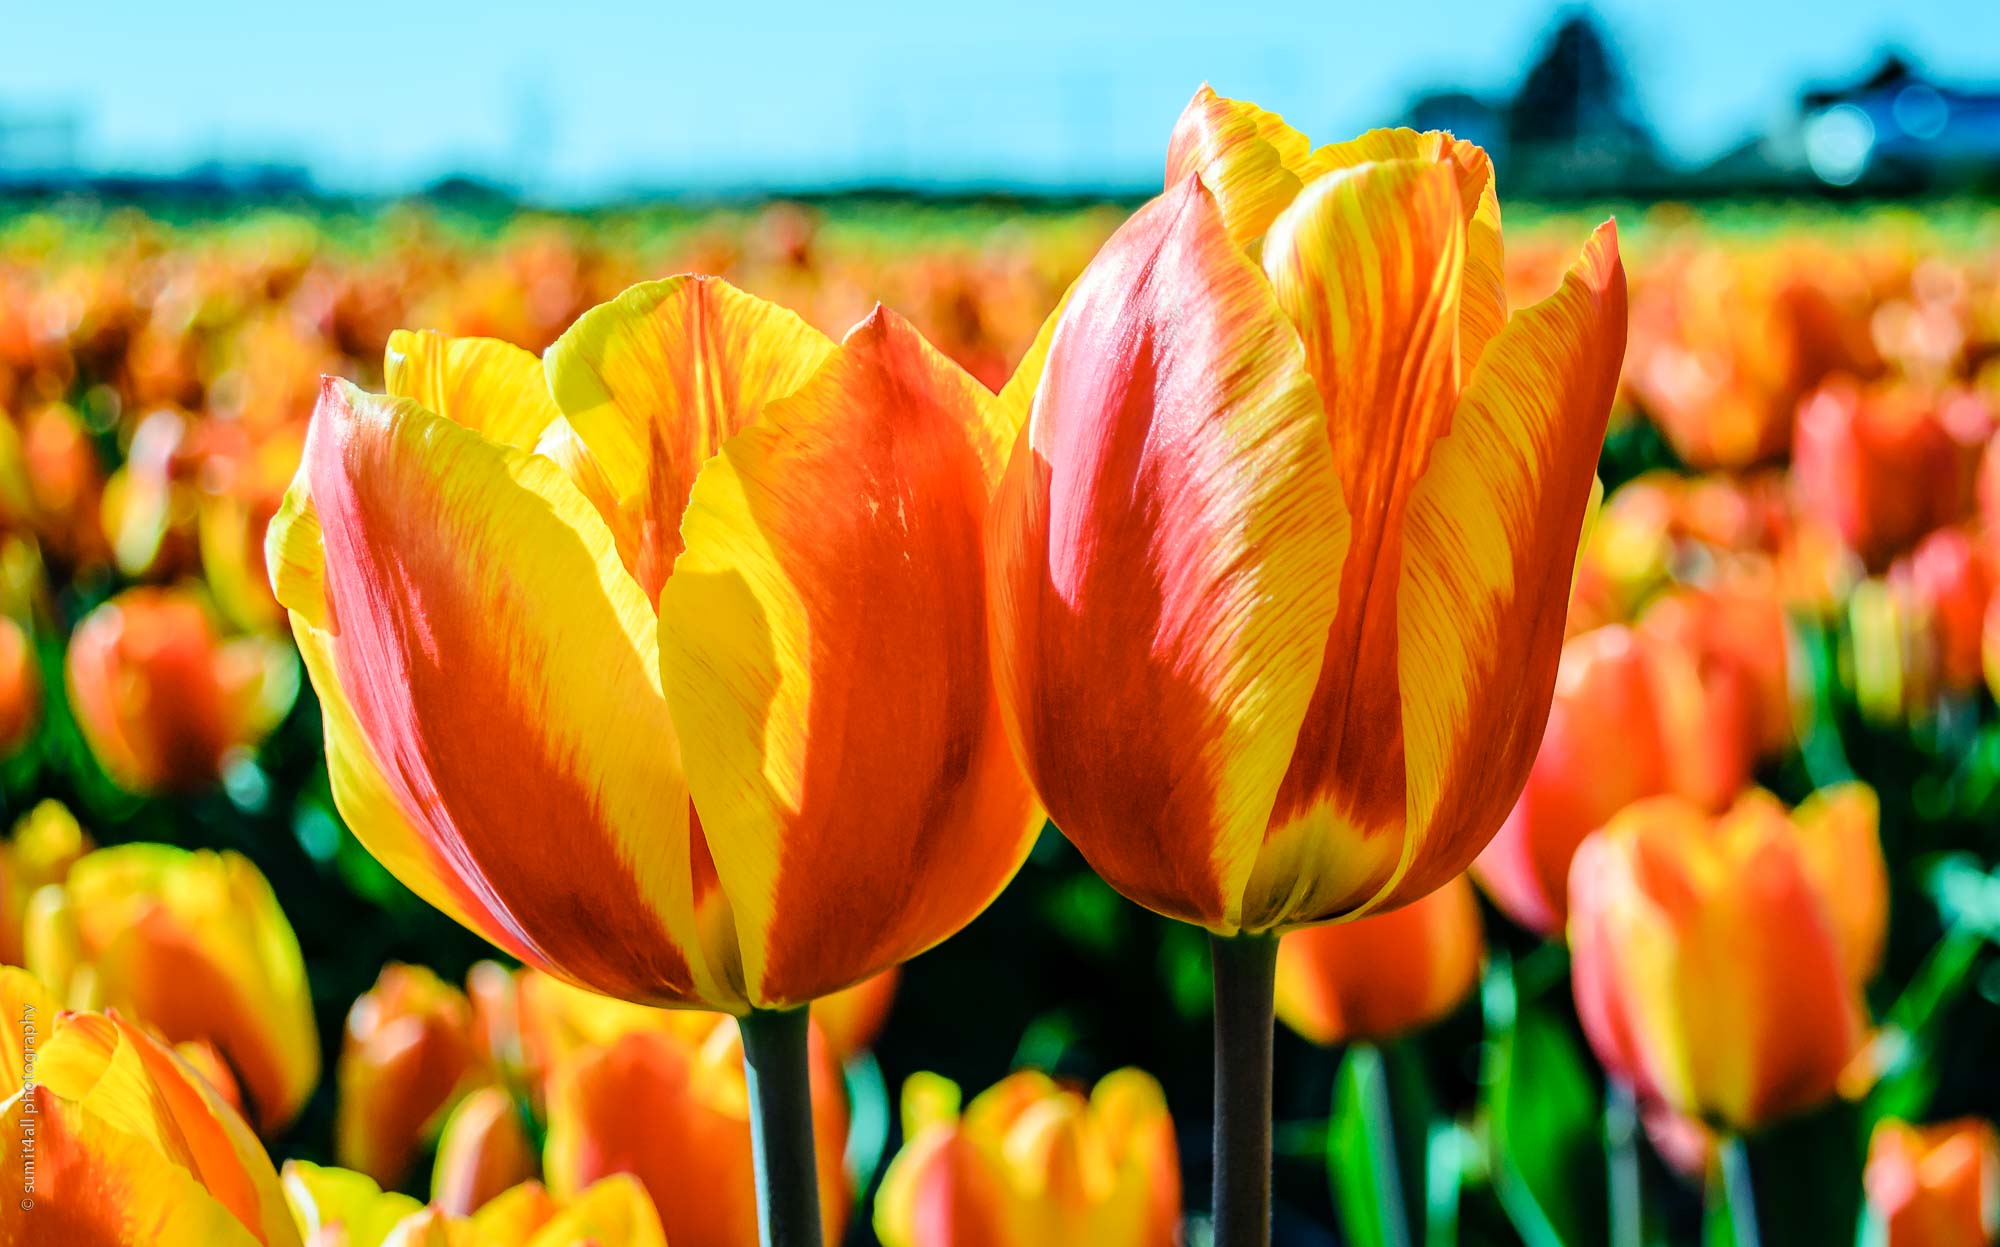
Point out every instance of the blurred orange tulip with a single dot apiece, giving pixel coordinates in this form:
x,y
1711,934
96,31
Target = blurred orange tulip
x,y
1275,647
483,1150
1378,977
1884,465
408,1052
1935,1186
850,1019
1718,962
20,688
45,843
1948,580
193,947
1031,1163
340,1208
162,699
808,782
671,1107
131,1148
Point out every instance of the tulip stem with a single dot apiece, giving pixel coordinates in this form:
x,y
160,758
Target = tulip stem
x,y
1245,978
1621,1145
781,1128
1737,1193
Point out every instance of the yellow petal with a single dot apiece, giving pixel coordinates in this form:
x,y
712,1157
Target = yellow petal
x,y
656,380
1250,160
494,388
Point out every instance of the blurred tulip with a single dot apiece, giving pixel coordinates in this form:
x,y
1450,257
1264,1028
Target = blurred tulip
x,y
1378,977
808,782
1274,647
1887,464
850,1019
20,688
1718,962
1738,641
339,1208
1031,1163
130,1147
1935,1186
163,701
482,1151
1890,655
65,483
45,843
194,947
673,1110
1948,580
407,1053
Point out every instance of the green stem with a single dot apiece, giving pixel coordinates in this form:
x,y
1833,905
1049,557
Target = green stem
x,y
1245,978
781,1128
1742,1200
1621,1147
1392,1213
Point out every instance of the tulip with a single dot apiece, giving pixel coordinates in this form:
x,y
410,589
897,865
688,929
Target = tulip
x,y
735,698
340,1208
1031,1163
164,702
1279,564
131,1148
1718,961
193,946
1373,979
673,1109
483,1150
46,842
1885,465
1948,579
1935,1186
20,688
408,1051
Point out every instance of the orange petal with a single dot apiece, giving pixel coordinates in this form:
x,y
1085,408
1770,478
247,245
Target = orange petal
x,y
1366,264
470,631
1162,554
656,380
1483,296
1490,545
824,638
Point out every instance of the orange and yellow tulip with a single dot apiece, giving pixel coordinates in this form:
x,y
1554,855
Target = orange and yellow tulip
x,y
1032,1163
691,614
20,688
1718,962
1948,579
340,1208
1378,977
131,1147
670,1105
192,946
45,843
162,698
408,1052
482,1151
1935,1186
1280,562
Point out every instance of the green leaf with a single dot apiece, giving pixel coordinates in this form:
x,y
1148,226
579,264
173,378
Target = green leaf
x,y
1543,1109
1380,1152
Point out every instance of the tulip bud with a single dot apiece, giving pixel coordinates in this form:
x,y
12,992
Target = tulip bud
x,y
407,1052
129,1145
1031,1163
673,1111
194,947
20,688
482,1151
1377,977
1947,581
46,842
162,700
1935,1186
1770,919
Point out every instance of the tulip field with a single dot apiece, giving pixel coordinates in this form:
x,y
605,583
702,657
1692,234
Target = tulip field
x,y
502,745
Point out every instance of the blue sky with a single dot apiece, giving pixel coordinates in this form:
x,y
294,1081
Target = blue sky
x,y
581,99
